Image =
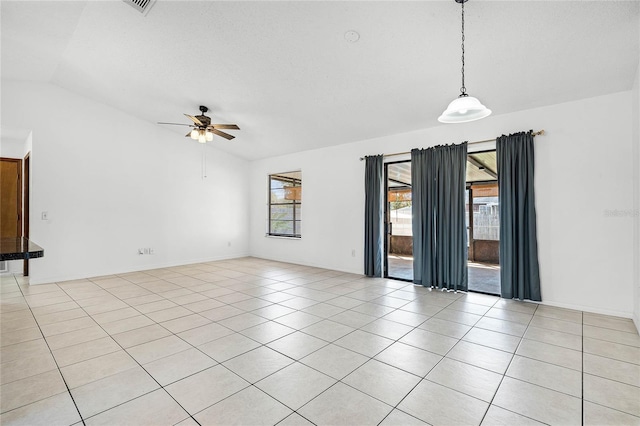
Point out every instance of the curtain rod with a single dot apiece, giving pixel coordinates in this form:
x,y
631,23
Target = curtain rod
x,y
538,133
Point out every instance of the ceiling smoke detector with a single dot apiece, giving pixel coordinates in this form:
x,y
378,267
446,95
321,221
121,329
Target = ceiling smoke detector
x,y
142,6
351,36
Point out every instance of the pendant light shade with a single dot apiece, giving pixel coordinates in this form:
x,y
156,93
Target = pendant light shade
x,y
464,109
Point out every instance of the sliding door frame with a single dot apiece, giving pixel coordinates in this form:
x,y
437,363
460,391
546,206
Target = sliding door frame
x,y
470,216
388,228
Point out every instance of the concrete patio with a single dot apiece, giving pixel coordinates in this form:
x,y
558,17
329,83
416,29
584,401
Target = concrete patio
x,y
483,277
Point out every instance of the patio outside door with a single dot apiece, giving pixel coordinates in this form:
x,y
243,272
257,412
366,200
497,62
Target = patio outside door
x,y
398,244
483,222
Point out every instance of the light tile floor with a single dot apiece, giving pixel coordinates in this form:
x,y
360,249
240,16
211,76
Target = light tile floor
x,y
251,341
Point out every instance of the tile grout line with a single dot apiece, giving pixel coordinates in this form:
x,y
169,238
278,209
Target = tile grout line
x,y
353,309
330,343
140,365
432,368
219,363
460,340
505,375
195,347
372,358
53,357
265,345
395,309
545,362
394,407
505,370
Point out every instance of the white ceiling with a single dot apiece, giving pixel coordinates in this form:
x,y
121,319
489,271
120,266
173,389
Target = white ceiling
x,y
285,74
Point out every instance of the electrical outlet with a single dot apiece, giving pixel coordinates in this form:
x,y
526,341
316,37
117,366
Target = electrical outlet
x,y
353,252
229,244
151,251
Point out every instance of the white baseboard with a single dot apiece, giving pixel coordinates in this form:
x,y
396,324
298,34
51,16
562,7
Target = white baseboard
x,y
72,277
590,309
305,263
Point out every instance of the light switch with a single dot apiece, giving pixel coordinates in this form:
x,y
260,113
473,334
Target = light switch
x,y
45,215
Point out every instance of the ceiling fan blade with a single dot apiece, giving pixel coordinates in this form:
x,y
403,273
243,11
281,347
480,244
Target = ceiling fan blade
x,y
177,124
225,126
195,120
223,134
188,135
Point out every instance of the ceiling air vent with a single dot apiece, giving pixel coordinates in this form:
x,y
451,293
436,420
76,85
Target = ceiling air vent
x,y
141,6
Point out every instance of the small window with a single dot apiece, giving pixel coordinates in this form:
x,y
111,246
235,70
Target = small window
x,y
285,204
486,212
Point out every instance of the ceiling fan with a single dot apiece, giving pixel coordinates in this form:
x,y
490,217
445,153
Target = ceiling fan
x,y
203,130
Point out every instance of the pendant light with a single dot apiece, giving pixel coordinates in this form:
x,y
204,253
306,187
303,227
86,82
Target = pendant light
x,y
464,108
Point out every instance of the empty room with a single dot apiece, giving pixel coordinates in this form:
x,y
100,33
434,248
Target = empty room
x,y
320,212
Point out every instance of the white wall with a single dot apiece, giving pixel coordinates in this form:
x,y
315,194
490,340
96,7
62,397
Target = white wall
x,y
583,168
112,184
11,148
332,200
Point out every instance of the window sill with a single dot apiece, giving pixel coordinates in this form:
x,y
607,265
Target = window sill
x,y
282,237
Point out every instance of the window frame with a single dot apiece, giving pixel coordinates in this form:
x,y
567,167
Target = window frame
x,y
295,205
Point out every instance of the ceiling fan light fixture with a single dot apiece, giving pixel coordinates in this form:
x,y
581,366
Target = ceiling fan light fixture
x,y
463,109
201,128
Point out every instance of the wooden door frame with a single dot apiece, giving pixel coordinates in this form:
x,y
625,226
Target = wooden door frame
x,y
26,187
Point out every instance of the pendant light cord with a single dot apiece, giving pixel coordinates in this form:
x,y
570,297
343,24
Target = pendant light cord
x,y
464,108
463,90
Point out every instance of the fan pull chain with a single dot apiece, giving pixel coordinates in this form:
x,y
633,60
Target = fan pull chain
x,y
204,161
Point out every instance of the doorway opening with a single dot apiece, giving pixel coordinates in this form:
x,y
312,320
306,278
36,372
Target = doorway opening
x,y
482,217
11,210
483,223
398,242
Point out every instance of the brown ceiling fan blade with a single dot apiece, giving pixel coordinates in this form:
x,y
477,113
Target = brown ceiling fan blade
x,y
188,135
225,126
223,134
177,124
194,119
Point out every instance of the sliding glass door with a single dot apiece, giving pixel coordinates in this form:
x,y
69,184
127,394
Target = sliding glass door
x,y
483,223
398,236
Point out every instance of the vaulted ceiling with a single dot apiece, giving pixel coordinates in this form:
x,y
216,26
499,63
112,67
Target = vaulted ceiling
x,y
284,72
